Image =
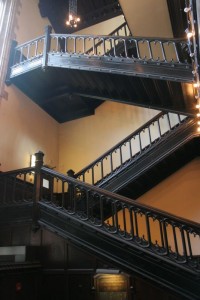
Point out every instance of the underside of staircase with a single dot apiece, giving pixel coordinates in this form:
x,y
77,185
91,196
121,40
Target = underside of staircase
x,y
69,81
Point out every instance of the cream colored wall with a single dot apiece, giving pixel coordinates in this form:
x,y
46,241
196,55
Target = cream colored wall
x,y
103,28
30,24
81,141
179,193
24,127
149,18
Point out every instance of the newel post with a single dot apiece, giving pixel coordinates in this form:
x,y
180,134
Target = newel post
x,y
47,46
37,188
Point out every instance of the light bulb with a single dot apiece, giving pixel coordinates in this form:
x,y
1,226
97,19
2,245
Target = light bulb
x,y
187,9
198,115
196,85
198,106
198,129
189,35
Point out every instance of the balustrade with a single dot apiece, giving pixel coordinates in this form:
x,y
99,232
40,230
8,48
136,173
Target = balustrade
x,y
171,238
129,149
137,49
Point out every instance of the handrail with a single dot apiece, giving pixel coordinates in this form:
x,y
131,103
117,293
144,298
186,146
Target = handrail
x,y
127,151
171,238
136,49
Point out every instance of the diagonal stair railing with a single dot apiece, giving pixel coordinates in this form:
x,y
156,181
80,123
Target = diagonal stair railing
x,y
122,30
170,238
128,151
138,56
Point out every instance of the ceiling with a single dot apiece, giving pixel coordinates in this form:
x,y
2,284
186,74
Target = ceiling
x,y
91,12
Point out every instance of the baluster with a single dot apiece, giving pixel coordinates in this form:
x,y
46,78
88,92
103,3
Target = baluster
x,y
37,187
149,131
121,158
140,141
110,44
131,222
148,228
150,50
36,48
111,163
175,240
57,44
28,51
125,49
102,171
137,49
93,45
177,56
159,129
104,46
93,175
189,244
161,234
130,149
114,48
136,224
83,177
169,123
184,243
163,51
166,245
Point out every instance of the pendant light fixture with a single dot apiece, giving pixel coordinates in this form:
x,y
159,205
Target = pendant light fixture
x,y
73,19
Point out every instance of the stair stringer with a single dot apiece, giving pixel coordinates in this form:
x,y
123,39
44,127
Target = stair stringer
x,y
152,156
113,249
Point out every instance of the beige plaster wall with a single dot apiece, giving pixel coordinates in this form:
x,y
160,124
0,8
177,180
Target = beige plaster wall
x,y
149,18
179,193
24,127
103,28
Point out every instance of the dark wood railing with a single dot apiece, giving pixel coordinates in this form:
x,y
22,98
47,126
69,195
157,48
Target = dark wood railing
x,y
127,151
156,232
138,49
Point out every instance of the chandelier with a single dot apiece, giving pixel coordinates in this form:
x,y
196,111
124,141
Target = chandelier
x,y
73,19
